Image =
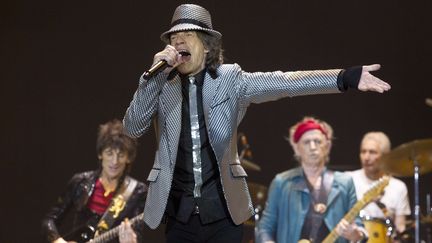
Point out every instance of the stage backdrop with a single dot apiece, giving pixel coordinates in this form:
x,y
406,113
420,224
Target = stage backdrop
x,y
68,66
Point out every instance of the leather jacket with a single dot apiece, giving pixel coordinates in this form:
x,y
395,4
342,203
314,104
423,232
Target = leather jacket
x,y
73,202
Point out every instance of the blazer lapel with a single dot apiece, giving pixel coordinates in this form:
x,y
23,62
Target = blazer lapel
x,y
171,107
210,87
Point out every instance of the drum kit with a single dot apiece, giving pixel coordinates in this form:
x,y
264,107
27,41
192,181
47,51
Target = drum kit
x,y
410,159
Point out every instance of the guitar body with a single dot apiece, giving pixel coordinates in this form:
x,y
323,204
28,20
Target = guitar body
x,y
86,233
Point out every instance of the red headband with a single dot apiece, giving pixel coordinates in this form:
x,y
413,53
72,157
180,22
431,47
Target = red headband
x,y
306,126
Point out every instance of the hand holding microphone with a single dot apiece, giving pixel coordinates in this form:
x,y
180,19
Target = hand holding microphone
x,y
165,60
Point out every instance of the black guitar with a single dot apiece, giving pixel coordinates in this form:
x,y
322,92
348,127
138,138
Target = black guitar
x,y
86,233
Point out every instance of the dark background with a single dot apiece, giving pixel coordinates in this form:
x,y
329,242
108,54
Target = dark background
x,y
68,66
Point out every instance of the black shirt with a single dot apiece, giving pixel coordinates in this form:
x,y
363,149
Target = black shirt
x,y
211,204
314,228
181,203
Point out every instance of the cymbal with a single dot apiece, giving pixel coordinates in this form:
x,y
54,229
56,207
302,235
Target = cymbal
x,y
258,193
400,161
247,164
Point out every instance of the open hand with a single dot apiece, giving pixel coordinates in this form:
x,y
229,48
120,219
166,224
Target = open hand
x,y
368,82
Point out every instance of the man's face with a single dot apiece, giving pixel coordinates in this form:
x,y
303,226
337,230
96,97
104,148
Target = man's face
x,y
370,152
188,41
114,162
313,148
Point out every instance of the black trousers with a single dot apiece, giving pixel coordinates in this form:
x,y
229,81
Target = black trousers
x,y
194,231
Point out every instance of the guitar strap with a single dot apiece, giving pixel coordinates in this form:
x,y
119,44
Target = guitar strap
x,y
383,208
118,203
318,204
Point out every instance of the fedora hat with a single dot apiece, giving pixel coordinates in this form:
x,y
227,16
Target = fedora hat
x,y
189,17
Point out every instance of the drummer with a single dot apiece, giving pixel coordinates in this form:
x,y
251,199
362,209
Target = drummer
x,y
394,203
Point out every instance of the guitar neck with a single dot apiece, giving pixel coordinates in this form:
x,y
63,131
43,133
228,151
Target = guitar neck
x,y
372,193
114,232
350,216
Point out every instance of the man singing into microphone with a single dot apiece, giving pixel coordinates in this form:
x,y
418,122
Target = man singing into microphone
x,y
197,181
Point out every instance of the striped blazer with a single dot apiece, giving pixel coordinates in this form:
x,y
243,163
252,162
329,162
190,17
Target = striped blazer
x,y
225,101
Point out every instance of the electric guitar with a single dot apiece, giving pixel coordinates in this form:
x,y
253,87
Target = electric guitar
x,y
86,234
369,196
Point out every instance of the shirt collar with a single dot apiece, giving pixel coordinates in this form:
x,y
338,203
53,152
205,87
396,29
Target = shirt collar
x,y
174,73
199,77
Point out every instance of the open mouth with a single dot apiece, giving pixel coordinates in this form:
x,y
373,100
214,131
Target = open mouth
x,y
114,168
184,53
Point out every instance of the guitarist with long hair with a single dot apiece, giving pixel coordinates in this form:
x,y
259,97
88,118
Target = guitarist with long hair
x,y
309,201
102,199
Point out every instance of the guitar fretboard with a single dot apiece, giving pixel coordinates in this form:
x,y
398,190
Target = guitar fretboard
x,y
350,216
114,232
353,212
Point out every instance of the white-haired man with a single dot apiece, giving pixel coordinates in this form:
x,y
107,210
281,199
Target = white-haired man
x,y
394,203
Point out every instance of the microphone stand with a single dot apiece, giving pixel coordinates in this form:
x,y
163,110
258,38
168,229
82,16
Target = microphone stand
x,y
429,214
416,201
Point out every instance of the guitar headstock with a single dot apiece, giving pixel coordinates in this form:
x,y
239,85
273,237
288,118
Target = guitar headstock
x,y
376,189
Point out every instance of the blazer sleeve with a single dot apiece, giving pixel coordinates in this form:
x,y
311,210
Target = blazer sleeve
x,y
143,106
258,87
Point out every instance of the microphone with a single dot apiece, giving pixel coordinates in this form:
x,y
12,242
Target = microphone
x,y
155,69
160,66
